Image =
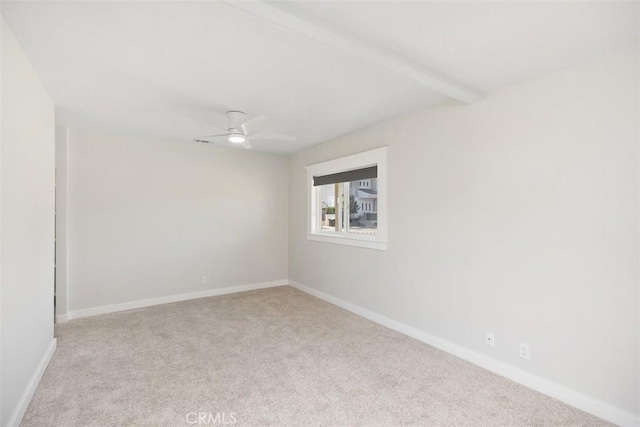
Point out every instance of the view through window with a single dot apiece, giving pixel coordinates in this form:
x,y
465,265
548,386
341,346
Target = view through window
x,y
350,207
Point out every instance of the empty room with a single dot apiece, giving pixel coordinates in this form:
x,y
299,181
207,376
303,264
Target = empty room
x,y
322,213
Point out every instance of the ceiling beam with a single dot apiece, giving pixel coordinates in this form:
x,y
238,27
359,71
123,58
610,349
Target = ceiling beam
x,y
367,52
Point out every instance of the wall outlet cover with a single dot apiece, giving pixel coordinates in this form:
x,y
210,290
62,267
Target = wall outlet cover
x,y
490,339
525,351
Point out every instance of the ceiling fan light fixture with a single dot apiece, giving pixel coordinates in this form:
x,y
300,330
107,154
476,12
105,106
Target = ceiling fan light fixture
x,y
237,138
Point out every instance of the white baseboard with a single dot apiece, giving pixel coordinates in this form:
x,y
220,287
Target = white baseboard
x,y
21,408
94,311
557,391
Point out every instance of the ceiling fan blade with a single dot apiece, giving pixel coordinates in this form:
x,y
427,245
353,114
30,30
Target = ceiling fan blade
x,y
246,144
205,123
214,136
217,135
216,127
250,124
272,136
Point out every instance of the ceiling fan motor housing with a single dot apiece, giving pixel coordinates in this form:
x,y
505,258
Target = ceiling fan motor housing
x,y
236,119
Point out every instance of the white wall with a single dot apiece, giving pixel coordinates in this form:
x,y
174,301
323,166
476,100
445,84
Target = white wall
x,y
61,221
27,229
516,215
148,218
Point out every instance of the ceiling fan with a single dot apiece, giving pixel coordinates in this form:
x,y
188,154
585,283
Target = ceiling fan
x,y
240,131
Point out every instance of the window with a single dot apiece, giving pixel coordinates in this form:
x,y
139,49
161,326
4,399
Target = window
x,y
347,200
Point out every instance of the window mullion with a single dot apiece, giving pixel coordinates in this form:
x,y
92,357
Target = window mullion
x,y
347,206
338,208
318,220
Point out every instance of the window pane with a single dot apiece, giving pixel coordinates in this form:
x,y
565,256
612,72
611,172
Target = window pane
x,y
328,206
363,204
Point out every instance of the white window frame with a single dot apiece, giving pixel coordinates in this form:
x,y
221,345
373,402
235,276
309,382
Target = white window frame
x,y
377,157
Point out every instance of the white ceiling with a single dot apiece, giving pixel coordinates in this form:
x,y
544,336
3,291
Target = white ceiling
x,y
146,68
486,44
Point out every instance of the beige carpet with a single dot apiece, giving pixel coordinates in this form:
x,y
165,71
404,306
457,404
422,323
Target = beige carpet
x,y
275,356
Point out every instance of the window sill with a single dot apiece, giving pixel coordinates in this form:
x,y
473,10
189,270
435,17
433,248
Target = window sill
x,y
349,241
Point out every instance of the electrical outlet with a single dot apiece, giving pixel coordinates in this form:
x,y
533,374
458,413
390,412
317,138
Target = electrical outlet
x,y
203,280
525,351
490,339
